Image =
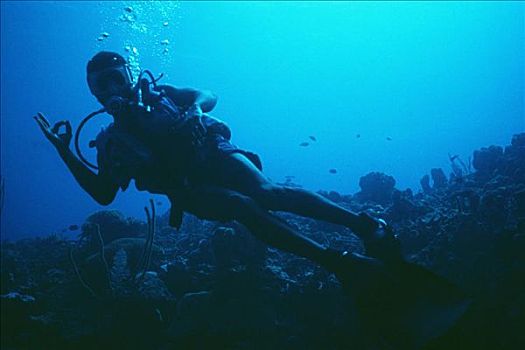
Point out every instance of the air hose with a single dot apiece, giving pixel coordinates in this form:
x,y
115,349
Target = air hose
x,y
103,110
77,137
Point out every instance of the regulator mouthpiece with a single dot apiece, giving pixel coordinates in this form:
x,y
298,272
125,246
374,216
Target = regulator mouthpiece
x,y
116,104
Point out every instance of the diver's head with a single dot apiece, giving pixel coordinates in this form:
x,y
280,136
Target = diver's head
x,y
109,77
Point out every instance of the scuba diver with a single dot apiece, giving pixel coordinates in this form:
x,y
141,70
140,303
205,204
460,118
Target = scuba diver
x,y
163,138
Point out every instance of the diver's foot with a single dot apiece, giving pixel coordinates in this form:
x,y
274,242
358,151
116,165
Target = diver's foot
x,y
379,239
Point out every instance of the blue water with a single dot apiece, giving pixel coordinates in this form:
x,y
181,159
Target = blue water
x,y
434,77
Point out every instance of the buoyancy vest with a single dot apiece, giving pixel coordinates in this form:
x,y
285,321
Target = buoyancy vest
x,y
153,147
213,125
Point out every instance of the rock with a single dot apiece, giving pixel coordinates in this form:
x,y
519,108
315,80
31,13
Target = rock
x,y
466,200
403,206
55,276
192,314
518,141
25,326
439,179
136,322
376,187
16,308
493,207
232,247
519,198
514,158
220,316
279,273
113,225
15,297
120,274
178,278
122,257
152,288
486,160
133,248
425,184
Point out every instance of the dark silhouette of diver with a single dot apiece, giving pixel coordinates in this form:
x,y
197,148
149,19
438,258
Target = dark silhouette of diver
x,y
163,138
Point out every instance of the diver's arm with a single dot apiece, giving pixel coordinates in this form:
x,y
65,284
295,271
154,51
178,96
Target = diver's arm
x,y
99,187
205,99
187,97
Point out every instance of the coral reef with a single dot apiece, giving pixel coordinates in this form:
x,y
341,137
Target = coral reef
x,y
486,160
112,225
376,187
439,180
214,286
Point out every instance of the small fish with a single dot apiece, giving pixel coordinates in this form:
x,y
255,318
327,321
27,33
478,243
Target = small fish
x,y
165,42
165,24
332,171
388,138
312,138
357,136
128,9
165,51
73,227
304,144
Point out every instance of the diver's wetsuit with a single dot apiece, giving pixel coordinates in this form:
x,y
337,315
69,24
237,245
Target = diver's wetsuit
x,y
213,180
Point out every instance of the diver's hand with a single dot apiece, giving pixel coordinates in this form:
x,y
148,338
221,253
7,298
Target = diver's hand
x,y
194,110
198,132
149,96
60,140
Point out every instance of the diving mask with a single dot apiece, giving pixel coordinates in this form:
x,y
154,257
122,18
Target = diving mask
x,y
111,81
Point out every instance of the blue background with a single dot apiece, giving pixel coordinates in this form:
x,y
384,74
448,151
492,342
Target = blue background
x,y
435,77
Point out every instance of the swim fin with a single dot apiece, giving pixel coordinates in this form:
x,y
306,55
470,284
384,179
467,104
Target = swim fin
x,y
403,303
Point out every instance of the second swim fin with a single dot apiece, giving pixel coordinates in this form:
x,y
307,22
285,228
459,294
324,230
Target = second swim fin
x,y
404,303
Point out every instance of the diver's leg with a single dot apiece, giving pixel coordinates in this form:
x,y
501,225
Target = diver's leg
x,y
214,203
238,173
